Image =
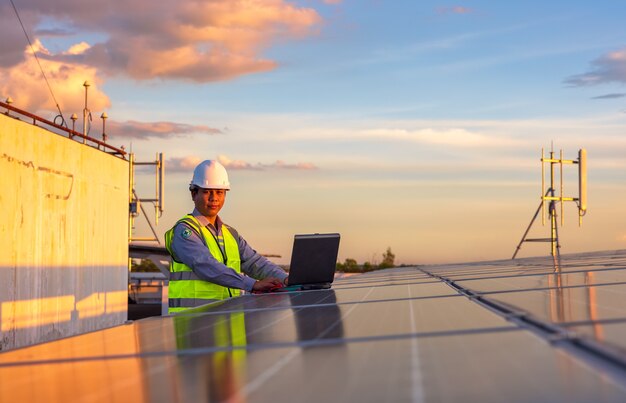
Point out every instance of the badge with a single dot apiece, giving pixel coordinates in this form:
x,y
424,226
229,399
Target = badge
x,y
186,233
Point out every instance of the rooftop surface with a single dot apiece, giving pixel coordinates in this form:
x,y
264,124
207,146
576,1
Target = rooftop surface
x,y
511,330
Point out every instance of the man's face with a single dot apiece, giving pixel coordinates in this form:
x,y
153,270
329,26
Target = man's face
x,y
209,202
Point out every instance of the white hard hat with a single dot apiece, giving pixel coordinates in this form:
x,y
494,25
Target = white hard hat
x,y
210,174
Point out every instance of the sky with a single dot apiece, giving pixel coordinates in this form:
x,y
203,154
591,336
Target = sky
x,y
414,125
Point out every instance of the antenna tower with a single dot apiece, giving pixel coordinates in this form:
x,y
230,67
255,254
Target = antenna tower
x,y
551,198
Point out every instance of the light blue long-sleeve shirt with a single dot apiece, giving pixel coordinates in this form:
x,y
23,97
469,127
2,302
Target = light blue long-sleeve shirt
x,y
192,251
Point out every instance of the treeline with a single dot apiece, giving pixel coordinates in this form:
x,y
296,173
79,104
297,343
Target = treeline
x,y
351,266
348,266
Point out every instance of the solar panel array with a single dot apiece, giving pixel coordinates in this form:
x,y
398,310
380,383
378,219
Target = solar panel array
x,y
513,331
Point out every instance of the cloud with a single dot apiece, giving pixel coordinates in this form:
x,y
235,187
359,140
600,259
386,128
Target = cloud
x,y
492,135
197,40
608,68
235,164
454,10
26,85
305,166
238,164
77,49
610,96
452,137
145,130
332,1
13,40
187,164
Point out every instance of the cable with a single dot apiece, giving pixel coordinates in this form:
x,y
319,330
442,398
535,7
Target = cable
x,y
38,63
59,116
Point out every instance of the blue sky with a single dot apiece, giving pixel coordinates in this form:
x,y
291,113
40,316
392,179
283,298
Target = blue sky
x,y
413,125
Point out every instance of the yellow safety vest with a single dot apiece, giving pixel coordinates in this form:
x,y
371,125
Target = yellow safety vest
x,y
186,289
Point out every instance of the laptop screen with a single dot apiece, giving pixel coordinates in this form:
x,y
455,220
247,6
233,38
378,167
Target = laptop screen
x,y
314,259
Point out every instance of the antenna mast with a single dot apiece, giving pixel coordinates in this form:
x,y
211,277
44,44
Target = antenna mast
x,y
550,196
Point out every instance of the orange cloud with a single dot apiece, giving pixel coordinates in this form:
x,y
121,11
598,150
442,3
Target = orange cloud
x,y
25,84
186,62
197,40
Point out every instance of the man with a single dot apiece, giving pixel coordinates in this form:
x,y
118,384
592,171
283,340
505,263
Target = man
x,y
210,260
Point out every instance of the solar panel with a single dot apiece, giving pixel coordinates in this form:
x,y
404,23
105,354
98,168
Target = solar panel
x,y
511,331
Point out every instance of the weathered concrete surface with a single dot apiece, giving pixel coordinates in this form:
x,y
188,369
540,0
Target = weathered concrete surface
x,y
64,232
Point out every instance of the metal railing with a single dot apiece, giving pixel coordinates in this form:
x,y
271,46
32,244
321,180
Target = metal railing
x,y
70,133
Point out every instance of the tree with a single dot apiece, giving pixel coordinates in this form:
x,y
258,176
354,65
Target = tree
x,y
388,258
146,265
350,265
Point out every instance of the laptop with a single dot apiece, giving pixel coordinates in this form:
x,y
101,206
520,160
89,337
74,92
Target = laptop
x,y
313,262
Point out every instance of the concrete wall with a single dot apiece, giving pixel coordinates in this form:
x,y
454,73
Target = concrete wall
x,y
63,236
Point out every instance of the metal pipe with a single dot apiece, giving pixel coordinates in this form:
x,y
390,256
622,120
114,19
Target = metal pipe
x,y
561,197
86,84
104,117
147,239
557,249
582,185
553,236
161,184
74,118
156,187
131,185
543,190
9,101
519,246
558,198
552,208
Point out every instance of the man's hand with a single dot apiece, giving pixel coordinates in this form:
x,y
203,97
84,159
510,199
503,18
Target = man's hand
x,y
267,284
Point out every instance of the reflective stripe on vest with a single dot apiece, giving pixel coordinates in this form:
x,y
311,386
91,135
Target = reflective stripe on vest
x,y
183,275
186,289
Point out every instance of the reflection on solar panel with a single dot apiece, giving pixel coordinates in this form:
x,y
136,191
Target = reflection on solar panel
x,y
504,331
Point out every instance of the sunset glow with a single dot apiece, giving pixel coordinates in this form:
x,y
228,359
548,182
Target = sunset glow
x,y
411,125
